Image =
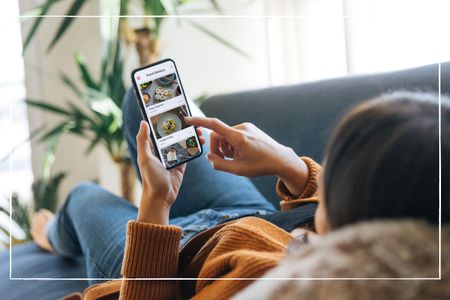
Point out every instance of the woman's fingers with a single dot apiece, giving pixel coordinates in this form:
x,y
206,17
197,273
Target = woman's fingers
x,y
226,149
215,125
220,137
222,164
200,135
179,168
214,144
199,131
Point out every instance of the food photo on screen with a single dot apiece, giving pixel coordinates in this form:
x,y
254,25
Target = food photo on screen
x,y
160,90
180,152
170,121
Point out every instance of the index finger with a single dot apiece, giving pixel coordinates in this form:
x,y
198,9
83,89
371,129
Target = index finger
x,y
214,124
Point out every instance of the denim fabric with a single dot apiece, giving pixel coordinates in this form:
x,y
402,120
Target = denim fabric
x,y
92,223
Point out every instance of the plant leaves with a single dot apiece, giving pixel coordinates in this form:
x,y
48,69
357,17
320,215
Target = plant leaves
x,y
219,39
93,143
70,84
123,7
49,156
115,85
169,6
86,77
79,115
45,191
67,21
154,7
216,6
58,129
40,10
109,30
47,107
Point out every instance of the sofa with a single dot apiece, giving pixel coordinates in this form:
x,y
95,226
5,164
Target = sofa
x,y
300,116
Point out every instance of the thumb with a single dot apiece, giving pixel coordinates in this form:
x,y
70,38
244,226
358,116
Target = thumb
x,y
143,142
221,164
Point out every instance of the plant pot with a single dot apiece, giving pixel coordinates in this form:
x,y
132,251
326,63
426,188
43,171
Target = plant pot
x,y
147,46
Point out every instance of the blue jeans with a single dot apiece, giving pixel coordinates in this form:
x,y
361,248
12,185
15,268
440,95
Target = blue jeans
x,y
92,222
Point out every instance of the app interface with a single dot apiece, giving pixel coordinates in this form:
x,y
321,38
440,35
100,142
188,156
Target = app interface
x,y
165,106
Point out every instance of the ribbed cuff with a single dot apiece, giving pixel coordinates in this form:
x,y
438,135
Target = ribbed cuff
x,y
287,199
151,250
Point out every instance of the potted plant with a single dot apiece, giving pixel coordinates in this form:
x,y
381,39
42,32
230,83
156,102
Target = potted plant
x,y
95,115
101,124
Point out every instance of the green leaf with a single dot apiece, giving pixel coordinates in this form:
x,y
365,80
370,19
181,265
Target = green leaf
x,y
109,30
84,72
45,191
169,7
59,129
70,84
47,107
102,103
93,143
49,156
20,221
40,10
154,7
67,21
123,7
219,39
115,85
79,115
216,6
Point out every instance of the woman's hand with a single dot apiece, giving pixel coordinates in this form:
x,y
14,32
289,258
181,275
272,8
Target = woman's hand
x,y
246,150
159,186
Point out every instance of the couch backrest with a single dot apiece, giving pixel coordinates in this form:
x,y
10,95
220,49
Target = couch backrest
x,y
303,115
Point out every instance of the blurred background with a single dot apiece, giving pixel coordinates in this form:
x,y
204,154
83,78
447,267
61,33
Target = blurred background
x,y
62,79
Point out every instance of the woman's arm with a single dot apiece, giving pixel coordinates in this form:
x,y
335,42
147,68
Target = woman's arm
x,y
151,251
246,150
152,245
310,191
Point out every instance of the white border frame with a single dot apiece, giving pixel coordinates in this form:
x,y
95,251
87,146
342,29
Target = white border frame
x,y
236,278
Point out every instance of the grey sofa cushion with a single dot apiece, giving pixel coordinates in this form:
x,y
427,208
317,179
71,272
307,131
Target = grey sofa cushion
x,y
302,115
29,261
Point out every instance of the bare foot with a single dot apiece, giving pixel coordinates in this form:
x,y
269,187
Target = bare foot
x,y
39,227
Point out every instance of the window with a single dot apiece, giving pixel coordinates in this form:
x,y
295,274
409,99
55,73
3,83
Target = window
x,y
13,114
385,35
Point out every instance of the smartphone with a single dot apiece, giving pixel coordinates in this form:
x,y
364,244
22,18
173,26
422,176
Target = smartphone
x,y
163,104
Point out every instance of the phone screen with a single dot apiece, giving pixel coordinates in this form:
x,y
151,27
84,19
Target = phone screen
x,y
164,105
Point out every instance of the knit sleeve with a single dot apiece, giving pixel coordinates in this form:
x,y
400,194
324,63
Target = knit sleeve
x,y
151,251
310,193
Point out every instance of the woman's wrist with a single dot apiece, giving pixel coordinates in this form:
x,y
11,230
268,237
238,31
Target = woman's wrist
x,y
294,173
155,214
153,210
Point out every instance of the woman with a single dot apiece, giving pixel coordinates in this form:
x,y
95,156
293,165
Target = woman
x,y
381,163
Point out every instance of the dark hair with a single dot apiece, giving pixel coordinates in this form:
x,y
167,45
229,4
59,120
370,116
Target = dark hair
x,y
382,161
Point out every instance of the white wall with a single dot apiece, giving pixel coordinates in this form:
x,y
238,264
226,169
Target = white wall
x,y
41,82
389,35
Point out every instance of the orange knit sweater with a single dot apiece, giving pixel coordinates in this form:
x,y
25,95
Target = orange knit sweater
x,y
245,248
